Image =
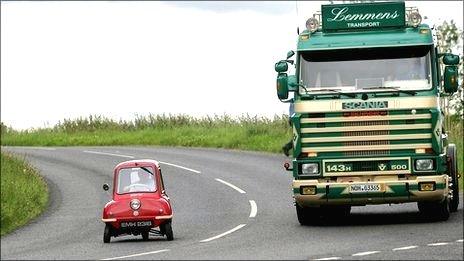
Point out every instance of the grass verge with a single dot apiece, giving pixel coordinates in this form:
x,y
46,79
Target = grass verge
x,y
24,194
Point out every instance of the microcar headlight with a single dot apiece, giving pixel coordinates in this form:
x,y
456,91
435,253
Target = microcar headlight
x,y
415,19
424,164
312,24
135,204
309,168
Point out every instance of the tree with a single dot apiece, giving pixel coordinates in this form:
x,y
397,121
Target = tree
x,y
450,40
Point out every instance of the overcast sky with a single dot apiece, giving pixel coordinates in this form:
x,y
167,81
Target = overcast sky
x,y
117,59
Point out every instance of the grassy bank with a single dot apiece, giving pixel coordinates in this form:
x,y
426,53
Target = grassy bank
x,y
247,133
24,194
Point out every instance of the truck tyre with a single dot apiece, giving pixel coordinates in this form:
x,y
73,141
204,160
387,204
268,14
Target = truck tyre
x,y
145,235
167,228
336,212
453,173
107,234
437,211
307,216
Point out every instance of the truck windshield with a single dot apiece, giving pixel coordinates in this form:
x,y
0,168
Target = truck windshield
x,y
351,70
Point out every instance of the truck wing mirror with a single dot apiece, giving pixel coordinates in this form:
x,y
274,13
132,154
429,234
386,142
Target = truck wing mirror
x,y
281,66
282,86
450,59
290,54
450,79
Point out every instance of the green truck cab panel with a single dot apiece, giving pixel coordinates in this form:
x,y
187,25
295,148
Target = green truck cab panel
x,y
365,39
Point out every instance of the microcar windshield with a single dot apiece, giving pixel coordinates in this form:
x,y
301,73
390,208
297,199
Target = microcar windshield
x,y
138,179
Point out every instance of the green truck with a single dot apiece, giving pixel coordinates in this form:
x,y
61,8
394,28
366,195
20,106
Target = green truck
x,y
368,121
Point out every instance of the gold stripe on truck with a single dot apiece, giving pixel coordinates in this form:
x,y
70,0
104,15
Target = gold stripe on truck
x,y
367,128
367,118
367,148
366,138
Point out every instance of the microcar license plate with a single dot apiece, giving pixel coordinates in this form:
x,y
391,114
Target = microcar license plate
x,y
130,224
371,187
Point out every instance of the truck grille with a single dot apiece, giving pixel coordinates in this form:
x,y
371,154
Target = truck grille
x,y
337,134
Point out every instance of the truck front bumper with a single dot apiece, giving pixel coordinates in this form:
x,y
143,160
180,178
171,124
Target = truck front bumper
x,y
393,190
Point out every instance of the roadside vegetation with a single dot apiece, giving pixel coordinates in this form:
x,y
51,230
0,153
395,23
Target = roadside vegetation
x,y
245,132
24,194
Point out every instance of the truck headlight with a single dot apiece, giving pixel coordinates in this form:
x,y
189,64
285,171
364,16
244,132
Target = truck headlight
x,y
310,168
135,204
424,164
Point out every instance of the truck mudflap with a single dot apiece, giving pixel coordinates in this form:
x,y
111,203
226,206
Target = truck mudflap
x,y
379,190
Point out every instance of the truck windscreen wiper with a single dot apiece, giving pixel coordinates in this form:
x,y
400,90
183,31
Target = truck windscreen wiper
x,y
391,88
351,95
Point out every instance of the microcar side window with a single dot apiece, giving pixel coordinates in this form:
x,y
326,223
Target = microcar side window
x,y
139,179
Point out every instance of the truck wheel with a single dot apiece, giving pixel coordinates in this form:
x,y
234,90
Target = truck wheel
x,y
439,211
307,216
453,173
336,211
167,228
145,235
107,234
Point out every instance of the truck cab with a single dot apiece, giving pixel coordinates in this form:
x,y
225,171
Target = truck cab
x,y
368,126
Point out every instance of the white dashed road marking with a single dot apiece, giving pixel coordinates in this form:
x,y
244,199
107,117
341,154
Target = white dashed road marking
x,y
459,240
329,258
108,154
223,234
404,248
181,167
254,209
134,255
365,253
438,244
231,185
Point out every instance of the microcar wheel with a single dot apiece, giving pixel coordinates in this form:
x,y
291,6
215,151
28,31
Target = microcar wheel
x,y
167,228
107,234
145,235
453,173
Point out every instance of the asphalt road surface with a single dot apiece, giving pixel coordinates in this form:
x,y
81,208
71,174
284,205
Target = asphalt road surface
x,y
227,205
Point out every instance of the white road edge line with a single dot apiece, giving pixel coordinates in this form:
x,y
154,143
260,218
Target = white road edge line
x,y
438,244
459,240
132,157
134,255
231,185
223,234
254,209
329,258
181,167
108,154
404,248
365,253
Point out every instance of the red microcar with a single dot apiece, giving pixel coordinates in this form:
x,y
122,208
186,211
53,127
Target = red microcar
x,y
139,203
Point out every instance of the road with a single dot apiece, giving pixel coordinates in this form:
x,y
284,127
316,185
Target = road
x,y
227,205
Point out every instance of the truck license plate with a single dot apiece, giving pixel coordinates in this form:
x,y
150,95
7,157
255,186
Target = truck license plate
x,y
360,188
